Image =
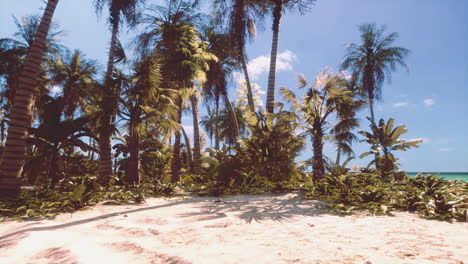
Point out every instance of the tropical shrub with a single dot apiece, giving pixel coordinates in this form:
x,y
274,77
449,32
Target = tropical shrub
x,y
272,147
384,139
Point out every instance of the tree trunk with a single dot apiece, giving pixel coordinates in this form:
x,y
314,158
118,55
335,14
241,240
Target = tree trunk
x,y
270,101
93,146
234,117
338,156
133,165
249,86
53,169
196,137
105,133
371,108
14,154
189,150
317,164
2,125
217,123
176,164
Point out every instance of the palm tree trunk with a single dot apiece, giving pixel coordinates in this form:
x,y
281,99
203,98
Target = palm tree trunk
x,y
247,82
93,146
53,169
270,102
176,164
133,165
371,108
189,150
2,128
317,164
196,137
234,117
216,123
338,156
15,146
105,153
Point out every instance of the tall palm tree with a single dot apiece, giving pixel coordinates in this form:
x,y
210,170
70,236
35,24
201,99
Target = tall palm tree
x,y
146,102
15,147
343,137
75,74
278,8
240,18
374,60
118,9
13,53
326,97
215,87
209,124
172,35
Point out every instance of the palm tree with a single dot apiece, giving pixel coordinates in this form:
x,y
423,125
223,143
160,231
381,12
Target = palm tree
x,y
209,124
278,8
231,124
215,87
173,36
374,60
343,136
13,52
240,17
76,76
14,152
326,97
145,103
53,134
384,139
118,9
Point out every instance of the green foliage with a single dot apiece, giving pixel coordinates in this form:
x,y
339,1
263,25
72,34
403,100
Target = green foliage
x,y
384,139
429,196
272,147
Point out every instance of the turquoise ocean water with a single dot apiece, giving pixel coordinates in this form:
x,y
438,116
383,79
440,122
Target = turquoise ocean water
x,y
445,175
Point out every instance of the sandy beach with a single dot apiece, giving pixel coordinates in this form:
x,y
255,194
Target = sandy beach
x,y
233,229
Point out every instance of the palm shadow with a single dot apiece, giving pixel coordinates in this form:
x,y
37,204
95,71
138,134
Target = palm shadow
x,y
276,207
88,220
252,208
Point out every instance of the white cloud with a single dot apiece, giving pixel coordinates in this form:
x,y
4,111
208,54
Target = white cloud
x,y
400,104
429,102
261,64
446,149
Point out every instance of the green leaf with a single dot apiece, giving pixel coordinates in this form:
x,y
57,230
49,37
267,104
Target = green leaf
x,y
365,154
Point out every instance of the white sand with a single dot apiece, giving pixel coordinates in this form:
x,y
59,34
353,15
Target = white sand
x,y
240,229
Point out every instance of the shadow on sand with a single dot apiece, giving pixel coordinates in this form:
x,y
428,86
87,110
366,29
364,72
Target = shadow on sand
x,y
277,207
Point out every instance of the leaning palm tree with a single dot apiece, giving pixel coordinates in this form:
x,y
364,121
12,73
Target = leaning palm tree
x,y
118,9
278,8
14,153
374,60
13,53
240,18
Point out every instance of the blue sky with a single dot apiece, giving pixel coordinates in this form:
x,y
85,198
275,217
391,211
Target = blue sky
x,y
430,99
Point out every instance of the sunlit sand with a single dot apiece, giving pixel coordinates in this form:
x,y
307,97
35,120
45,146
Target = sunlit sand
x,y
234,229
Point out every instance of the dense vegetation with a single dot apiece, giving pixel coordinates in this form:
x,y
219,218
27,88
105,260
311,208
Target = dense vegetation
x,y
76,135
